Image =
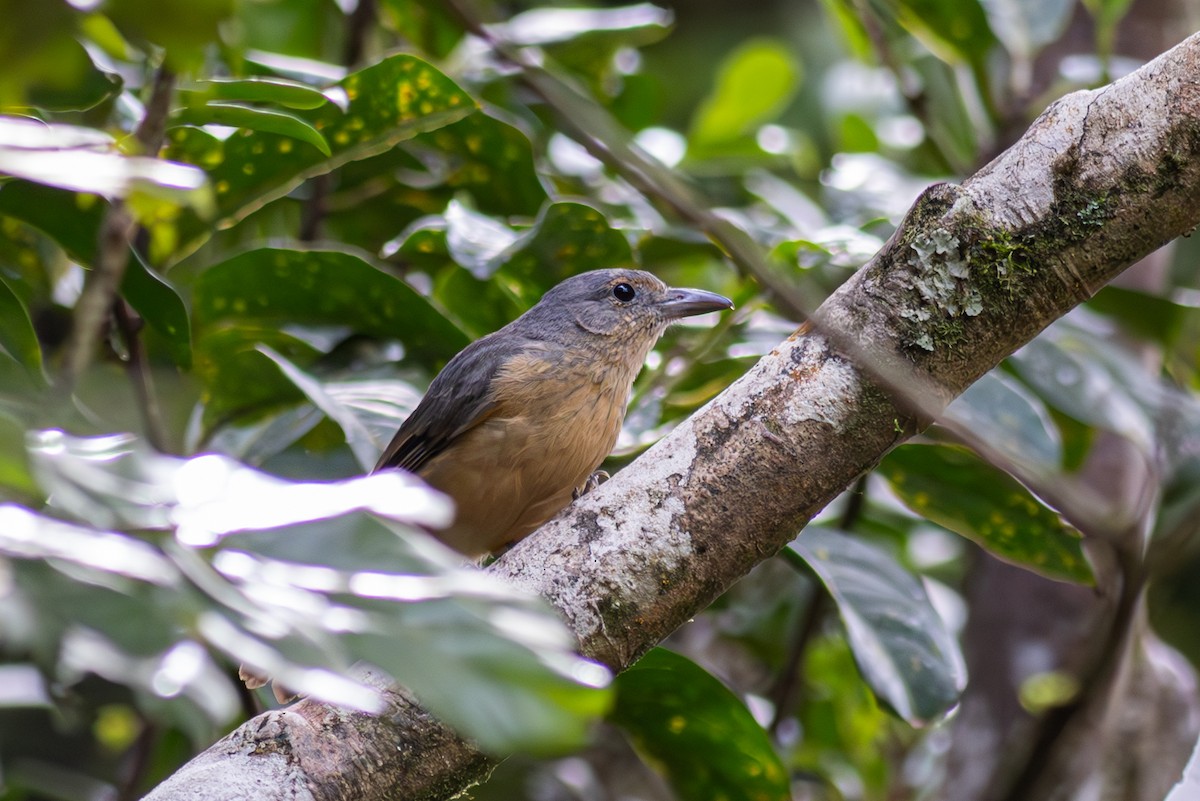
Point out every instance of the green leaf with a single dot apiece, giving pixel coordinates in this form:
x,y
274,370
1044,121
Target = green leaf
x,y
1087,382
1151,316
902,646
956,31
566,239
487,157
1026,26
70,219
300,580
160,306
954,488
385,104
280,91
427,23
697,732
366,451
237,377
184,28
44,66
754,84
322,287
1003,413
253,119
18,340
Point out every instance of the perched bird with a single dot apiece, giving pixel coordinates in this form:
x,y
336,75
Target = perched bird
x,y
515,425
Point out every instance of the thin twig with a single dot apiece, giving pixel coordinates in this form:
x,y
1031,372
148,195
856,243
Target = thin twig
x,y
786,692
316,208
138,366
117,230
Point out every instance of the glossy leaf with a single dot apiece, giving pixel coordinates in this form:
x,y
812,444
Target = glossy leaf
x,y
280,91
357,437
305,579
84,160
956,489
386,103
262,120
697,732
1086,382
157,302
18,340
1002,412
902,646
322,287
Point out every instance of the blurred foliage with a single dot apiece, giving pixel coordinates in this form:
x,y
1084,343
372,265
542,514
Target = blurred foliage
x,y
348,194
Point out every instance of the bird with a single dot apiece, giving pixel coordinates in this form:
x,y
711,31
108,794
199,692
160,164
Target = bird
x,y
516,425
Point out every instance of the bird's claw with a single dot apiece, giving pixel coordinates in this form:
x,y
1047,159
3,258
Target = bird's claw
x,y
593,481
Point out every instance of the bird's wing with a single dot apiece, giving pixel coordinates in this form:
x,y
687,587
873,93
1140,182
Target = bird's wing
x,y
459,399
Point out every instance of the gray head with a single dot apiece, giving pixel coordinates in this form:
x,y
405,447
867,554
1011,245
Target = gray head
x,y
618,303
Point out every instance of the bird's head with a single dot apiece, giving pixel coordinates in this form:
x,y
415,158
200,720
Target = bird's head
x,y
622,303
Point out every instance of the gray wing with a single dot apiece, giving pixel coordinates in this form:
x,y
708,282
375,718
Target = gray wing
x,y
459,399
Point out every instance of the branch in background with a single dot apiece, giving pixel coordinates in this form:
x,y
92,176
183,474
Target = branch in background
x,y
1081,197
117,231
138,366
785,695
358,27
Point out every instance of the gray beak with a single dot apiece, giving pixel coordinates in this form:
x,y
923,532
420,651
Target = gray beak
x,y
681,303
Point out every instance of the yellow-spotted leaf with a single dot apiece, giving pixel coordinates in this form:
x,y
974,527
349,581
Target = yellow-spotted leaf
x,y
955,488
381,105
697,732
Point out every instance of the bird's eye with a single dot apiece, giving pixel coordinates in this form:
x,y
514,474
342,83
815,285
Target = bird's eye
x,y
623,292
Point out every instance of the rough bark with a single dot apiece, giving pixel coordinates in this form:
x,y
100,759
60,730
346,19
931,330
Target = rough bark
x,y
1101,179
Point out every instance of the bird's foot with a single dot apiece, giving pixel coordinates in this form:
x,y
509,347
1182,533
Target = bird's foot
x,y
593,481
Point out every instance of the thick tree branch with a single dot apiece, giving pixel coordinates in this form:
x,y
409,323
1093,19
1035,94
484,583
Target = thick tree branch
x,y
1101,179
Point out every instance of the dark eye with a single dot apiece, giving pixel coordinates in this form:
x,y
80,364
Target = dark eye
x,y
623,292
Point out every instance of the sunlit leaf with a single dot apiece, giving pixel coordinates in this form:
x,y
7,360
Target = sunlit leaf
x,y
956,489
902,647
696,731
306,579
83,160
